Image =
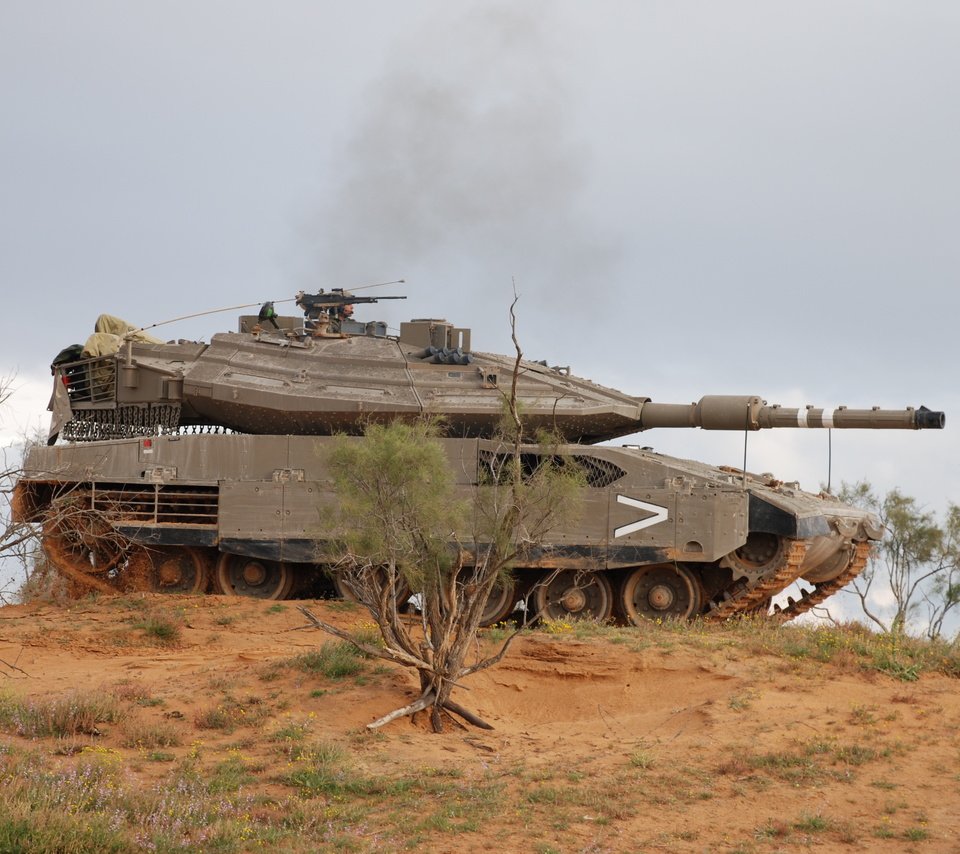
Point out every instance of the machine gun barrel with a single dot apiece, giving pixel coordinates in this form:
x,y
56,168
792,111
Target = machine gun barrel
x,y
747,412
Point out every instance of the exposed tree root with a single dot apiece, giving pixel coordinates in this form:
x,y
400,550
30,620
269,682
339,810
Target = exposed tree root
x,y
427,675
418,705
466,714
424,701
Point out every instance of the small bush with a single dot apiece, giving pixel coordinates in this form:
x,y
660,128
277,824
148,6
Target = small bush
x,y
855,754
44,584
318,770
333,660
291,732
559,626
368,633
232,713
229,776
74,714
812,823
147,735
129,691
291,739
772,829
217,717
161,628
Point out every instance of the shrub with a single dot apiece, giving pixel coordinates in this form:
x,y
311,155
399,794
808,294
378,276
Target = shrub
x,y
74,714
148,735
161,628
333,660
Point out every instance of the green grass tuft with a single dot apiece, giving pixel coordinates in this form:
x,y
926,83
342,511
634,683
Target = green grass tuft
x,y
333,660
164,629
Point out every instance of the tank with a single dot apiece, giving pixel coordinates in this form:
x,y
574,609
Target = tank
x,y
187,466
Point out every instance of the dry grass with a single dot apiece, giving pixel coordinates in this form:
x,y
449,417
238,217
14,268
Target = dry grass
x,y
848,648
76,713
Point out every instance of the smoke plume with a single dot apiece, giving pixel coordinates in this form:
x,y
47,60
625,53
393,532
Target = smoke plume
x,y
464,171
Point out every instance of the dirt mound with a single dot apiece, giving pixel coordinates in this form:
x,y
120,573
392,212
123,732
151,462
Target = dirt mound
x,y
623,740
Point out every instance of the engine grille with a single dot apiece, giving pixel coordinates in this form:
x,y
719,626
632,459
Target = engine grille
x,y
158,504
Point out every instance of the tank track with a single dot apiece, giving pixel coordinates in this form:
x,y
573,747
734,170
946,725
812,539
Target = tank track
x,y
743,599
122,422
811,598
737,600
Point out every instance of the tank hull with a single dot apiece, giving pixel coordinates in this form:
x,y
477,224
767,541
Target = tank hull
x,y
251,515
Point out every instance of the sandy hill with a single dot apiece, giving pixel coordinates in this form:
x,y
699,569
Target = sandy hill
x,y
219,724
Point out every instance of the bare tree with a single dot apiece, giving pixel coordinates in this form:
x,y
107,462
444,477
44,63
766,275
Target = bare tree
x,y
18,538
916,567
942,597
396,486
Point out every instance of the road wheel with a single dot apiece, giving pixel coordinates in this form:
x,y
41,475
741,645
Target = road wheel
x,y
238,575
570,594
662,591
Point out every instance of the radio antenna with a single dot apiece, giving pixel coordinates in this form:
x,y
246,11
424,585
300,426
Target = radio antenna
x,y
378,285
211,311
251,305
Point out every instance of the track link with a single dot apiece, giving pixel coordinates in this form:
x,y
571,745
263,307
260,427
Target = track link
x,y
811,598
747,598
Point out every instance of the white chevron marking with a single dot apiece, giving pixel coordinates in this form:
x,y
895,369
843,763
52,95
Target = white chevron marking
x,y
659,515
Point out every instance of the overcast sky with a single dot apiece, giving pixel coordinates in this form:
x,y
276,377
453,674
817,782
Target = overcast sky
x,y
692,198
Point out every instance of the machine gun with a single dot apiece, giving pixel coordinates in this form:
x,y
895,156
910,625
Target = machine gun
x,y
331,303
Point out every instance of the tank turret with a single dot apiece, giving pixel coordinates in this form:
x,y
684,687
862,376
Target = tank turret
x,y
327,373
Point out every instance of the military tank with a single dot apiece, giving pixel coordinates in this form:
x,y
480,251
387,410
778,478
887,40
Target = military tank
x,y
189,466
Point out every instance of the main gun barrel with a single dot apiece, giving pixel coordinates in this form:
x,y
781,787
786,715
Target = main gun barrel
x,y
749,412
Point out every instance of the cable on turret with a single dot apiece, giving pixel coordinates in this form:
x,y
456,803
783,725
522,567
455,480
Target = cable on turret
x,y
249,305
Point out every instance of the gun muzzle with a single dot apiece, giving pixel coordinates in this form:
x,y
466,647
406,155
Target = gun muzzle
x,y
927,419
